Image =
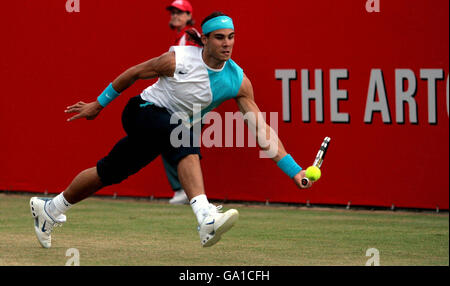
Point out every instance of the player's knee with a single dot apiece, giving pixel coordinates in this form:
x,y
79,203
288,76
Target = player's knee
x,y
190,159
110,174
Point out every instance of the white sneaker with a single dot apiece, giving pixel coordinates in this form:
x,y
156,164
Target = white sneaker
x,y
43,222
179,198
215,224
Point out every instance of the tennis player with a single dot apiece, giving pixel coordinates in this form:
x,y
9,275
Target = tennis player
x,y
188,76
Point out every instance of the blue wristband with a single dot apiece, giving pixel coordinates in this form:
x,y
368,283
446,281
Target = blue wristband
x,y
288,165
108,95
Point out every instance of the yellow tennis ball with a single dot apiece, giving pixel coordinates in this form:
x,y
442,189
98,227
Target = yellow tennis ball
x,y
313,173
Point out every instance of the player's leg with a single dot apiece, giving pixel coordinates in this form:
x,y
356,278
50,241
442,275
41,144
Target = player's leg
x,y
191,177
85,184
123,161
126,158
212,222
48,213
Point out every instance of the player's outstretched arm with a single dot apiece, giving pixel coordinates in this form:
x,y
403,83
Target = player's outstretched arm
x,y
163,65
266,137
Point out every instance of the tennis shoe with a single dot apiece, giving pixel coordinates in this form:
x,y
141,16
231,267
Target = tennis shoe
x,y
179,198
215,224
43,222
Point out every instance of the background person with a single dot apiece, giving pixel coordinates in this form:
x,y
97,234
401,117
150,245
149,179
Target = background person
x,y
182,22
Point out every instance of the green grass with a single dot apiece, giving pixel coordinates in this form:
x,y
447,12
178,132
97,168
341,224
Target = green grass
x,y
133,232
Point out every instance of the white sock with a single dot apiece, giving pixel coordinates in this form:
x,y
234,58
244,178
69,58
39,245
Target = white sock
x,y
58,205
200,205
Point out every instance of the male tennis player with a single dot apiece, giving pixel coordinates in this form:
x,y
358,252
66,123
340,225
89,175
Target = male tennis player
x,y
188,76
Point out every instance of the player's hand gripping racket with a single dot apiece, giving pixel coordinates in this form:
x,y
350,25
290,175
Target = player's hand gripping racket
x,y
318,161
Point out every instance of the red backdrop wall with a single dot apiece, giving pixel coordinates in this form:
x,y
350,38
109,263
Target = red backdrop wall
x,y
50,58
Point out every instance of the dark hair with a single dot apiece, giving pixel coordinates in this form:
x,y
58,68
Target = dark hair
x,y
213,15
190,23
193,34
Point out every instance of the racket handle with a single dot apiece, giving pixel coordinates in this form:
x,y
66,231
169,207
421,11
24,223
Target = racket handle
x,y
305,182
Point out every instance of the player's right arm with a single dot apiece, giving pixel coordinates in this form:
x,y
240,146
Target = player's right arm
x,y
163,65
266,137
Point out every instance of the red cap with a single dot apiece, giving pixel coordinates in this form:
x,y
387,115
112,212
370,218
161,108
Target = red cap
x,y
183,5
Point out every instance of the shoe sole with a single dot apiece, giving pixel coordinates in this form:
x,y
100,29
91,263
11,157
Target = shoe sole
x,y
33,213
36,230
233,216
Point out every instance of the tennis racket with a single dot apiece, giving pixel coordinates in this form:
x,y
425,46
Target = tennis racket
x,y
319,157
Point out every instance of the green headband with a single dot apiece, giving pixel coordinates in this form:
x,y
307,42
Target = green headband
x,y
217,23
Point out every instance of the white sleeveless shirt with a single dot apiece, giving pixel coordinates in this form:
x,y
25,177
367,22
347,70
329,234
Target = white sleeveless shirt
x,y
194,83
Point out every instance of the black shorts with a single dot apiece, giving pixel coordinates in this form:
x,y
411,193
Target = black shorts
x,y
148,131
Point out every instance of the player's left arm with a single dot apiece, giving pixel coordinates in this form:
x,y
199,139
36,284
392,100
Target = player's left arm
x,y
163,65
266,137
